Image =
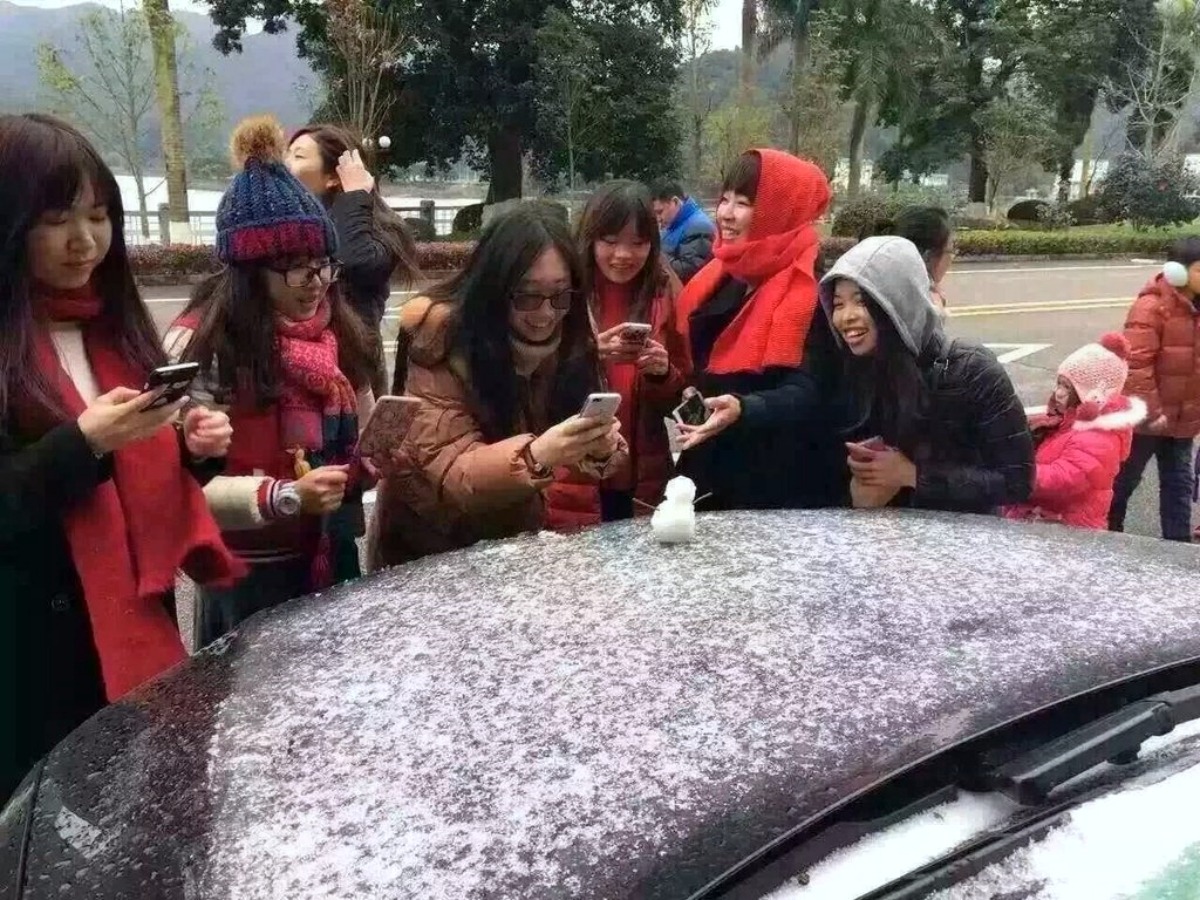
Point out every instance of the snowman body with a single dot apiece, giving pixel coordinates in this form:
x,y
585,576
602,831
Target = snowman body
x,y
674,521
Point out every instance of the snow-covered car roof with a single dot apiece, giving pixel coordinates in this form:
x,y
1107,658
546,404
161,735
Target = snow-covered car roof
x,y
593,716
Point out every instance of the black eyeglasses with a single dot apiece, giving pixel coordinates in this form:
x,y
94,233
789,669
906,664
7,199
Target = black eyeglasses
x,y
528,301
302,276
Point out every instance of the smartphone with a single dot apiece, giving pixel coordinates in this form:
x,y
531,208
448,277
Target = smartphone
x,y
389,423
176,379
866,450
692,411
600,406
635,334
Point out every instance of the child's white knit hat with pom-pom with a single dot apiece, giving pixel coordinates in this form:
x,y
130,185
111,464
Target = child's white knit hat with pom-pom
x,y
1097,372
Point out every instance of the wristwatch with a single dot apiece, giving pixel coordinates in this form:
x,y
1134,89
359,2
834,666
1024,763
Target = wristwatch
x,y
536,468
287,501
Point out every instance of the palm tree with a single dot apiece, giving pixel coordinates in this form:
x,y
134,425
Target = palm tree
x,y
749,71
791,20
876,36
166,79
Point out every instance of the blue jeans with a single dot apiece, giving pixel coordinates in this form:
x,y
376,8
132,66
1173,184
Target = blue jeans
x,y
1176,481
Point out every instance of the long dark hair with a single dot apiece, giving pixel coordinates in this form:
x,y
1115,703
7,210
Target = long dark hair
x,y
928,227
888,387
388,227
479,297
608,210
235,338
44,166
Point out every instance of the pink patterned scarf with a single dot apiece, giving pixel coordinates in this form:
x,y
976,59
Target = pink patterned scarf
x,y
318,406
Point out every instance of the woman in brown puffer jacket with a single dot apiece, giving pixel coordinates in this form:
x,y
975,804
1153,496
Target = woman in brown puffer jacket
x,y
502,357
1163,328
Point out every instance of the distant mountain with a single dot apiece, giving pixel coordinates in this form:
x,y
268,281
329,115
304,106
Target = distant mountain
x,y
267,77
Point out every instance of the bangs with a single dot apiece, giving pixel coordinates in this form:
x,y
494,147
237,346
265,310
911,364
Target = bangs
x,y
742,177
67,167
614,207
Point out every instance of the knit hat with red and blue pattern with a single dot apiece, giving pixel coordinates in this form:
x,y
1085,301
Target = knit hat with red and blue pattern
x,y
266,213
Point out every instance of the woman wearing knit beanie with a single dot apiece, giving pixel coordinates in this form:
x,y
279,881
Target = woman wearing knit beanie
x,y
291,361
747,319
1084,437
503,357
374,245
100,502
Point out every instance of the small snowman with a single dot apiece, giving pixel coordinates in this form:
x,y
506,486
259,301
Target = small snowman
x,y
674,521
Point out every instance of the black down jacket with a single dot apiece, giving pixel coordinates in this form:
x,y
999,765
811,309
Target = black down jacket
x,y
973,450
979,453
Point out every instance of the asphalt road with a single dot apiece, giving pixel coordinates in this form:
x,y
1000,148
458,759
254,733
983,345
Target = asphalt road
x,y
1031,314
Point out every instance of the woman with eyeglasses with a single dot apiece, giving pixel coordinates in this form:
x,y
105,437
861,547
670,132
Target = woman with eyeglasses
x,y
291,362
503,357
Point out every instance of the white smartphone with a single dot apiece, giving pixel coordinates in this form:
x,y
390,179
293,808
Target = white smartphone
x,y
600,406
636,333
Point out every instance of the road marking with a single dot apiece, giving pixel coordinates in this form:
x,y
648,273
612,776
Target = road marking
x,y
1132,264
1003,309
1016,351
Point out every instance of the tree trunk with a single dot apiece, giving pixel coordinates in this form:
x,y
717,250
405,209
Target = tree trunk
x,y
1066,168
139,183
166,83
749,72
801,60
504,163
858,135
697,150
977,184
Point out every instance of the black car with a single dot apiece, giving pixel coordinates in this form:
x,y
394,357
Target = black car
x,y
599,716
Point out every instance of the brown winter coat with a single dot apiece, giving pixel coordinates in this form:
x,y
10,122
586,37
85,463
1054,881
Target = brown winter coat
x,y
1163,328
454,488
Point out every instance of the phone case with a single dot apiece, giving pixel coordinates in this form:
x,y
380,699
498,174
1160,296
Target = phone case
x,y
388,425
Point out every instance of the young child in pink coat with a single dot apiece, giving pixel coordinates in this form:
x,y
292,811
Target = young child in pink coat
x,y
1083,437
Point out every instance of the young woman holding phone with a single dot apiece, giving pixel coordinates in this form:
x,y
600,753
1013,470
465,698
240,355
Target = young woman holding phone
x,y
503,358
632,296
98,506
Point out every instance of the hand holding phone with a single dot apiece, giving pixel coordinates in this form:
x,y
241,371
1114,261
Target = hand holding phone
x,y
176,379
572,441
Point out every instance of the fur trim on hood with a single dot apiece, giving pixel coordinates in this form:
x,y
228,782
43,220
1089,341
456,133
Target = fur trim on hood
x,y
1119,413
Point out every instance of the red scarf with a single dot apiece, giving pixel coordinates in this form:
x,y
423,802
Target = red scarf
x,y
614,304
132,533
777,258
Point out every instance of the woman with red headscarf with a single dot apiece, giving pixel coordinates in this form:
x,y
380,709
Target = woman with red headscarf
x,y
760,352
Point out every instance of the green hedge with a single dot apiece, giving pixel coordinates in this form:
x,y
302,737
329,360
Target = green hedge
x,y
167,264
1109,242
162,263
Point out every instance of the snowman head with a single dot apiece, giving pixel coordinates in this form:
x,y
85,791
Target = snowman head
x,y
681,489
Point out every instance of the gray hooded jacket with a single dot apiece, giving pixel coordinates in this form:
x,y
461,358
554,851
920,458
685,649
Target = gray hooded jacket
x,y
976,453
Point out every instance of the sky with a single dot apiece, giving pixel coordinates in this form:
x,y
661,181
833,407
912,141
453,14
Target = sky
x,y
727,18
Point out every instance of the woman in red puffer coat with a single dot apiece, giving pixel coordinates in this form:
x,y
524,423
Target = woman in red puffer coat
x,y
1084,437
626,282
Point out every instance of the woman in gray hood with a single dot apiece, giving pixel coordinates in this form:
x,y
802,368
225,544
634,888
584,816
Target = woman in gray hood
x,y
929,422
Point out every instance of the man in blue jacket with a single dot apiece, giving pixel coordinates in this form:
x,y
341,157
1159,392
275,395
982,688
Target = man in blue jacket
x,y
687,233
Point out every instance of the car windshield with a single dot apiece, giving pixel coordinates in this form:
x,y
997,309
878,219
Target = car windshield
x,y
1127,833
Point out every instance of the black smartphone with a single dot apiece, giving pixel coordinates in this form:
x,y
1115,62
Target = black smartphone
x,y
176,379
692,410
